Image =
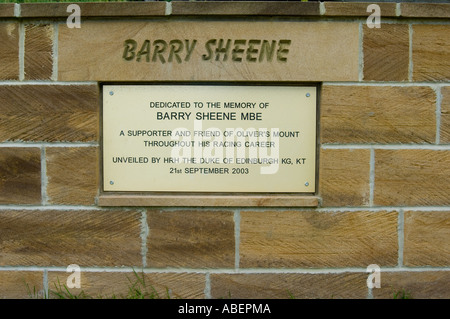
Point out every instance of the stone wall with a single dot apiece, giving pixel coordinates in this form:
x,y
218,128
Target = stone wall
x,y
383,164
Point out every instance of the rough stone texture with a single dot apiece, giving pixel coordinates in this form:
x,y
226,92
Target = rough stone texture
x,y
417,10
38,61
344,177
425,10
412,178
416,285
6,10
245,8
20,175
9,51
21,284
358,9
231,200
431,52
51,113
386,52
190,238
117,285
445,116
372,114
319,51
284,286
294,239
204,238
427,238
61,238
73,175
115,9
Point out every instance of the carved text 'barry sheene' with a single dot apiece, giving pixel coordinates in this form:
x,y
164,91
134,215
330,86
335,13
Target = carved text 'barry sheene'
x,y
223,50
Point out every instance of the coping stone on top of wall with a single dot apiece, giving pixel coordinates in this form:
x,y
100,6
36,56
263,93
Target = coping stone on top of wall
x,y
7,10
225,8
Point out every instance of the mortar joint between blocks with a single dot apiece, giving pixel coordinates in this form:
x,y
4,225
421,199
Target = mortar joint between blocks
x,y
401,236
322,8
21,51
410,64
144,235
168,10
237,231
369,293
438,92
361,53
54,76
207,290
398,9
371,176
44,177
45,282
17,10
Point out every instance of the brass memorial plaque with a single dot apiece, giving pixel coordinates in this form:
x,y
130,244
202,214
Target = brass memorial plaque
x,y
206,138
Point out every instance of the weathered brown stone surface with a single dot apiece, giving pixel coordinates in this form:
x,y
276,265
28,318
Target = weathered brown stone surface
x,y
61,238
284,286
38,61
427,238
208,200
378,114
318,51
73,174
386,52
6,10
415,285
9,51
107,285
445,116
239,8
50,113
294,239
425,10
274,8
431,52
190,238
114,9
358,9
344,177
412,177
21,284
20,175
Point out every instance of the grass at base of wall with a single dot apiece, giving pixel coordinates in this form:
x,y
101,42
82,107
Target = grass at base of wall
x,y
137,289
